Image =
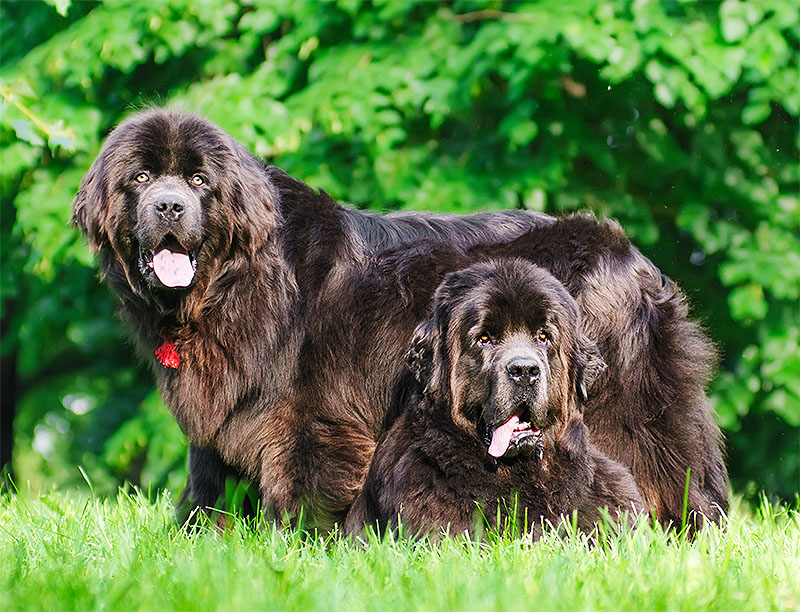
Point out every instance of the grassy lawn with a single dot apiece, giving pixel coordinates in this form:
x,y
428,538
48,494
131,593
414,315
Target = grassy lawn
x,y
66,552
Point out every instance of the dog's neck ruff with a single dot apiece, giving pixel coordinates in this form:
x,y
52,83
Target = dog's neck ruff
x,y
167,355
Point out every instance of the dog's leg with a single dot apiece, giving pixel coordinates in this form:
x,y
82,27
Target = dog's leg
x,y
205,490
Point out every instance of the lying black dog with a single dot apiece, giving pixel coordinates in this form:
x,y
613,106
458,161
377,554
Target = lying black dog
x,y
496,421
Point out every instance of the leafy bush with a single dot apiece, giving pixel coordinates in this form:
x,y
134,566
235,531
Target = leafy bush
x,y
678,119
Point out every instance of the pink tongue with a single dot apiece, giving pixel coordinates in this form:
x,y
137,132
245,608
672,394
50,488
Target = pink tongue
x,y
173,269
502,436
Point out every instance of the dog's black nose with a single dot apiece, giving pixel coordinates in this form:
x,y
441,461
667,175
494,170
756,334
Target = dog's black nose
x,y
523,370
169,206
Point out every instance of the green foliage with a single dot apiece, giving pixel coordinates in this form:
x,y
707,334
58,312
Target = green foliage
x,y
678,119
66,552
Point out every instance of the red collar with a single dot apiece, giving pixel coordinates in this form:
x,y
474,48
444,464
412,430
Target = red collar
x,y
167,355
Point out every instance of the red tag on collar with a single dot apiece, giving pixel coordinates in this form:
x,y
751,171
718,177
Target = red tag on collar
x,y
167,355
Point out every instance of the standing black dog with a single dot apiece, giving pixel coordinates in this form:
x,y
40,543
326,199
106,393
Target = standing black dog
x,y
276,321
495,421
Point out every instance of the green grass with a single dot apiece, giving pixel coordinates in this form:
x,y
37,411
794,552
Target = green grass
x,y
64,552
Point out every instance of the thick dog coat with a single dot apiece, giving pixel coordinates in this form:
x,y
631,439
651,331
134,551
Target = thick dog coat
x,y
281,318
495,424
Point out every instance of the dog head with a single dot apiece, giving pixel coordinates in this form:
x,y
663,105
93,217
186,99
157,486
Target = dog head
x,y
504,350
168,198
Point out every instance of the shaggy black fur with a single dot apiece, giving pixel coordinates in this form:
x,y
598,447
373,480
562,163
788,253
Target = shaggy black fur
x,y
292,332
503,341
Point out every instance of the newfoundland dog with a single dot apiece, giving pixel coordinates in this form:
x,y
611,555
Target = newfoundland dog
x,y
276,321
495,422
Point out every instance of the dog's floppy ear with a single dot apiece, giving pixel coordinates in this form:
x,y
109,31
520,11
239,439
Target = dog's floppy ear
x,y
254,201
427,358
90,206
421,357
590,365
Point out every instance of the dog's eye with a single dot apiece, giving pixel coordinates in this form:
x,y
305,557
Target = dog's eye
x,y
197,180
142,177
484,339
543,336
